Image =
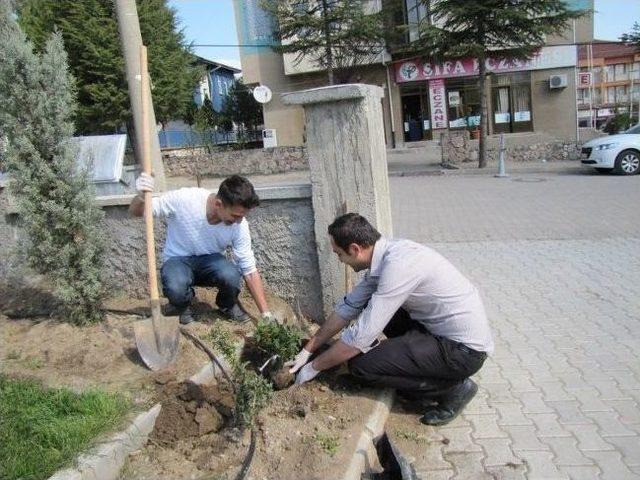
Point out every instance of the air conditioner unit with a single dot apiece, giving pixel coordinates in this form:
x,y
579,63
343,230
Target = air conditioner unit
x,y
269,139
558,81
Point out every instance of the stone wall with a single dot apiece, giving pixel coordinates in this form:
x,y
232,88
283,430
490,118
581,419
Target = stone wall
x,y
458,148
282,229
188,162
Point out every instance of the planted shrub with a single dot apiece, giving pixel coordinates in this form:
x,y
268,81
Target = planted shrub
x,y
276,339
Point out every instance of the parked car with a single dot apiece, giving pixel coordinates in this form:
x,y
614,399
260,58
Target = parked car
x,y
619,153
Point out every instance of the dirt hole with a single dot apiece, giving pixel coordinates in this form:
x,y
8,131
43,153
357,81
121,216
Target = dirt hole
x,y
192,410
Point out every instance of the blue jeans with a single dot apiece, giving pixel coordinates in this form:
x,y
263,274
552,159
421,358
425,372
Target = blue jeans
x,y
181,274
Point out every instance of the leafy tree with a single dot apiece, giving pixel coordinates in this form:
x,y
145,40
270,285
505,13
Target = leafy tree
x,y
514,29
54,197
634,36
241,108
335,35
90,32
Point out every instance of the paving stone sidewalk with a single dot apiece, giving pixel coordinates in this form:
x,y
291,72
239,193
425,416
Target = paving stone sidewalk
x,y
559,270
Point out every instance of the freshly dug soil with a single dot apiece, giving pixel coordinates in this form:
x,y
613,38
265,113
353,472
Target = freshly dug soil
x,y
307,432
191,410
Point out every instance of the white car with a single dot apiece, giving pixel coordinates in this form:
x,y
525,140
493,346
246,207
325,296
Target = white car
x,y
620,153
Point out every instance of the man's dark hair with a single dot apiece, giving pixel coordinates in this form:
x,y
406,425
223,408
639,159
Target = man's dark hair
x,y
237,190
353,228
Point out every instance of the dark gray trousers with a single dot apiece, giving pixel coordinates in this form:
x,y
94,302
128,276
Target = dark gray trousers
x,y
414,362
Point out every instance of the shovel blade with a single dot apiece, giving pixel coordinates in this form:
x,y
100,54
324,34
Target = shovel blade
x,y
158,350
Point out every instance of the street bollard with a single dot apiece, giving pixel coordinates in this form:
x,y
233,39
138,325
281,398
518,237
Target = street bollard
x,y
501,171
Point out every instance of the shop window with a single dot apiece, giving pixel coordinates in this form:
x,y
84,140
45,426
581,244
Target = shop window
x,y
512,103
621,94
463,101
607,73
596,75
620,72
635,71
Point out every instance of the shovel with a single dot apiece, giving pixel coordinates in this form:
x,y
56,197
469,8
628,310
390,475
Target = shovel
x,y
156,338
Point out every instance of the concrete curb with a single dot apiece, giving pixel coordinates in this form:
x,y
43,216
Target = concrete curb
x,y
365,454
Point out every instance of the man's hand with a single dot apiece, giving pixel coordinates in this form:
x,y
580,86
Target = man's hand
x,y
299,360
144,183
307,373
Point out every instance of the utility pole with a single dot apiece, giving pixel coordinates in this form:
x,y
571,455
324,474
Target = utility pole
x,y
131,40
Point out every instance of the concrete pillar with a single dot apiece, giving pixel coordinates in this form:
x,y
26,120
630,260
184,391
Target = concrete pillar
x,y
348,163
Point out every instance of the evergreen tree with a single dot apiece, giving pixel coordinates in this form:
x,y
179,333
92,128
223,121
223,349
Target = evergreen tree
x,y
54,197
241,108
335,35
632,37
514,29
90,32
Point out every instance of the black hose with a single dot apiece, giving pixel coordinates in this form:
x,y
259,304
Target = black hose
x,y
200,344
246,463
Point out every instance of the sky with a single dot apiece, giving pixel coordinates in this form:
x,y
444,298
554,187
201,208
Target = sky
x,y
213,22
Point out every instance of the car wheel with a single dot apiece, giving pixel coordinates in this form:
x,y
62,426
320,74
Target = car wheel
x,y
604,170
628,162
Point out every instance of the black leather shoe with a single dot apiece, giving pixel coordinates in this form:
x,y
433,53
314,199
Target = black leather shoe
x,y
450,406
186,316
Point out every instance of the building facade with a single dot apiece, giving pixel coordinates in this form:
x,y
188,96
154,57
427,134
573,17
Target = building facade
x,y
608,82
423,99
215,84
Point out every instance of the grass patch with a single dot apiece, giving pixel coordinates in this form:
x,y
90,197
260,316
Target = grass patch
x,y
43,430
329,443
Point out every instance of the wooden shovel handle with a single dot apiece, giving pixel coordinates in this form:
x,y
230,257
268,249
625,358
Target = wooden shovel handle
x,y
146,168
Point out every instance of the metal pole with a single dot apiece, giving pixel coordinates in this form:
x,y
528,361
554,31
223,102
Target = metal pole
x,y
131,41
501,169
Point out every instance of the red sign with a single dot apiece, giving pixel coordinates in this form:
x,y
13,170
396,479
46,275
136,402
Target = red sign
x,y
584,79
438,104
547,57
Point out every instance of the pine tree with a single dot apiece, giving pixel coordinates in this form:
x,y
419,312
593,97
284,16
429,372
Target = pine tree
x,y
241,108
54,197
335,35
90,32
514,29
632,37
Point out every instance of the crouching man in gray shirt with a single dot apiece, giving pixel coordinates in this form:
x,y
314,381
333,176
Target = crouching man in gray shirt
x,y
434,320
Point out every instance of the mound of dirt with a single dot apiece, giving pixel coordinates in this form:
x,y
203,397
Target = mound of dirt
x,y
192,410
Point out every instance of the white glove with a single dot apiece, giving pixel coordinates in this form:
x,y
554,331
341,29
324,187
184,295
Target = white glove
x,y
307,373
299,360
268,317
144,183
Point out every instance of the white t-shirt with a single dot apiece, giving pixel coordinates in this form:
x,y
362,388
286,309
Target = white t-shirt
x,y
189,233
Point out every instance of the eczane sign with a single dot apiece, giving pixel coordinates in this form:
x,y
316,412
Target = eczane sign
x,y
547,57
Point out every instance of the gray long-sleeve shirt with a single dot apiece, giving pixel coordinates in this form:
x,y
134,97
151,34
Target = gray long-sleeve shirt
x,y
405,274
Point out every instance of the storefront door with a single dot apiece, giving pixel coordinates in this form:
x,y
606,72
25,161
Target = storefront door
x,y
415,114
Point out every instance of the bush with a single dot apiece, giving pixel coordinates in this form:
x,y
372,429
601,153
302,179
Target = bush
x,y
54,198
252,391
276,339
619,123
